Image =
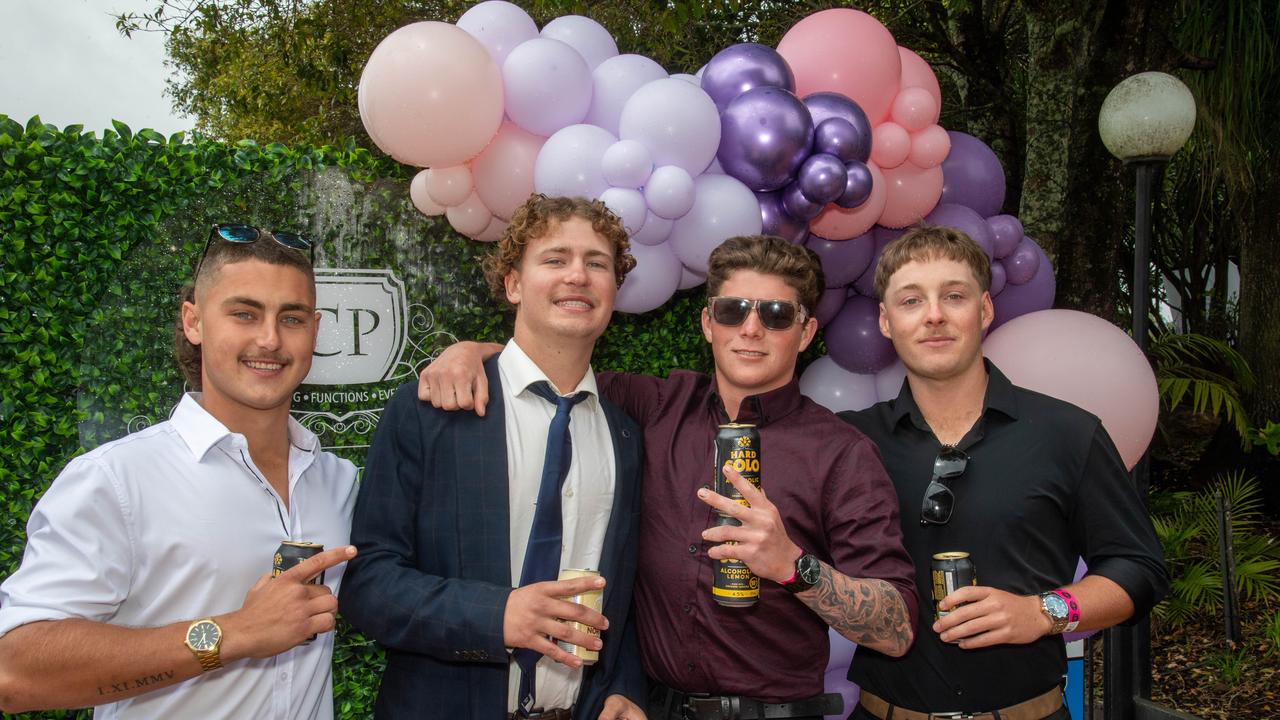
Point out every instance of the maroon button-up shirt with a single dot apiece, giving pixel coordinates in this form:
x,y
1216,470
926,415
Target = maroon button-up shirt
x,y
836,502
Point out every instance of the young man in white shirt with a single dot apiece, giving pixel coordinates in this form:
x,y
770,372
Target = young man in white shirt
x,y
145,587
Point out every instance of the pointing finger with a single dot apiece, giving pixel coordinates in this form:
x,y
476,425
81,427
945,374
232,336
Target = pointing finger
x,y
310,568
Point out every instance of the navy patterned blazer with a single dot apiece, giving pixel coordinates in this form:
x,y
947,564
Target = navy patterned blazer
x,y
433,572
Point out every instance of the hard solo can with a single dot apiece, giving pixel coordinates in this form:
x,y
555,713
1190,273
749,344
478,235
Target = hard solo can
x,y
593,599
951,571
733,583
291,553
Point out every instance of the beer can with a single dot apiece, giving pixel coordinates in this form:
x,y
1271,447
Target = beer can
x,y
593,599
733,584
951,571
291,553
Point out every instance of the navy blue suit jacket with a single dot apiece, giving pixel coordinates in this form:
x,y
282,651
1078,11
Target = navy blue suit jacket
x,y
431,580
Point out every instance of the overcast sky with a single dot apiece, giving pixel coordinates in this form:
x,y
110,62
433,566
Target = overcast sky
x,y
64,61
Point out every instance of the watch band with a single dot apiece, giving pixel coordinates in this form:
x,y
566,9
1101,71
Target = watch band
x,y
209,659
1073,609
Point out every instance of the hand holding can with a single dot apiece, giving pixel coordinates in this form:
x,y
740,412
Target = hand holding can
x,y
592,599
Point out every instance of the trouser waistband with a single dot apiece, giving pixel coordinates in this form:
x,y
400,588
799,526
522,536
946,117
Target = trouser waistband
x,y
668,704
1038,707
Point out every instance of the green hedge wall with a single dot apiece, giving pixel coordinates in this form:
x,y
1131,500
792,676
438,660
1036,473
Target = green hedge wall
x,y
97,233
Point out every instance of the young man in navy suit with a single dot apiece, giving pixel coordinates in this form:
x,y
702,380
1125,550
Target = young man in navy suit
x,y
448,524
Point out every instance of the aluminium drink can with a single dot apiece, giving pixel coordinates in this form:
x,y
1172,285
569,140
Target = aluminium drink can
x,y
733,583
951,571
593,599
292,552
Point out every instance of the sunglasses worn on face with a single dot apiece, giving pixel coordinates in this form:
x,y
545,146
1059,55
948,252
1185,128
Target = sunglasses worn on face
x,y
774,314
939,501
245,234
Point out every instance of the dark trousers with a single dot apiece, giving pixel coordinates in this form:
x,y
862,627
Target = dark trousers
x,y
860,713
665,704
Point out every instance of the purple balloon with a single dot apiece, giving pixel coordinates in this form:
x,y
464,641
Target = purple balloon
x,y
857,185
1021,264
836,136
998,277
799,206
966,221
739,68
865,284
826,105
830,303
822,178
1036,294
972,176
765,134
1007,232
775,220
843,260
854,340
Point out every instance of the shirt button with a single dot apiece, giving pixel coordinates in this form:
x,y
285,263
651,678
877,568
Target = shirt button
x,y
688,608
693,548
706,486
284,676
568,493
690,666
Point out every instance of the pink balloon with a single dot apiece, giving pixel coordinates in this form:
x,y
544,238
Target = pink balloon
x,y
845,51
493,231
653,280
911,192
914,109
432,95
1041,351
917,73
503,172
890,143
421,199
837,223
929,147
471,217
449,186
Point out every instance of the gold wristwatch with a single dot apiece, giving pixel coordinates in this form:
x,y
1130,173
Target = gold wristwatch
x,y
204,638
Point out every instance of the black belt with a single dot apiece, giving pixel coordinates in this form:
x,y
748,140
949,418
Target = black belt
x,y
540,714
701,706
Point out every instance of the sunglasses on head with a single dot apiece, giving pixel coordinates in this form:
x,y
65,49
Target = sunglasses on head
x,y
245,234
939,501
774,314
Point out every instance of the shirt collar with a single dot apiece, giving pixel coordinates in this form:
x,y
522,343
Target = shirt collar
x,y
201,431
518,368
761,409
1000,396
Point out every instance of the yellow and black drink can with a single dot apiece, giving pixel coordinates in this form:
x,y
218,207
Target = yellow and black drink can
x,y
951,571
733,583
291,553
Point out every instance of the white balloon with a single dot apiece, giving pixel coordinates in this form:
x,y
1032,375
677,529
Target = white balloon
x,y
889,380
449,186
722,208
652,282
613,82
655,230
421,198
676,120
470,217
669,192
569,162
627,163
688,78
835,388
499,26
585,35
628,205
547,86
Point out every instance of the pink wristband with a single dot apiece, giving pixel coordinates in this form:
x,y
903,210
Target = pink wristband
x,y
1073,609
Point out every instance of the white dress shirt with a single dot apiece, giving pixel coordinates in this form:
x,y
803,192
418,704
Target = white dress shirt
x,y
175,523
586,497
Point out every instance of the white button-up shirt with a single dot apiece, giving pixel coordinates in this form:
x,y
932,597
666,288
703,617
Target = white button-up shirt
x,y
586,499
175,523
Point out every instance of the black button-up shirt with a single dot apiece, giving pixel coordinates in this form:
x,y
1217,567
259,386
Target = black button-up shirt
x,y
1044,486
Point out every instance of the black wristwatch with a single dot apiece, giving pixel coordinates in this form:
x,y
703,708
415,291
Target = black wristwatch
x,y
808,570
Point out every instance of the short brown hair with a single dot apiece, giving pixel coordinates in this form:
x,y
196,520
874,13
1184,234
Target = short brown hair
x,y
533,220
218,255
932,242
797,265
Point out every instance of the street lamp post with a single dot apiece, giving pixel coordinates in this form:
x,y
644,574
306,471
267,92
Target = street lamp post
x,y
1143,122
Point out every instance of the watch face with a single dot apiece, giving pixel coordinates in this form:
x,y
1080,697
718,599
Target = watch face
x,y
809,569
1055,605
203,636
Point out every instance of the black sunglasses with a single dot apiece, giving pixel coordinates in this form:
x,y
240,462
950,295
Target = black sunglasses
x,y
774,314
245,234
939,501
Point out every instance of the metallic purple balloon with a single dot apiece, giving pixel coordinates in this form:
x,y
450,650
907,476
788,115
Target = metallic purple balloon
x,y
765,133
739,68
825,105
799,206
1021,264
836,136
843,260
776,221
822,178
857,184
972,176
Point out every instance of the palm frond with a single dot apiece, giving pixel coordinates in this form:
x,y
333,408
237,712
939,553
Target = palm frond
x,y
1208,372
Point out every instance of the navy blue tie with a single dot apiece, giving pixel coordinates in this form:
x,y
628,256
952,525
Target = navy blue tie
x,y
542,553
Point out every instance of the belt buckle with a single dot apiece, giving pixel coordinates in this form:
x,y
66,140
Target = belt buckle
x,y
954,715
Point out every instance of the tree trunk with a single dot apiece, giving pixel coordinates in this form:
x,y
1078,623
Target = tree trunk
x,y
1260,300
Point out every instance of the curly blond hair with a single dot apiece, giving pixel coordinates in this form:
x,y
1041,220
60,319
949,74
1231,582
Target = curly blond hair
x,y
534,219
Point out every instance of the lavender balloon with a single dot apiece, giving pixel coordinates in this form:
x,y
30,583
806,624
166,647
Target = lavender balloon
x,y
857,185
822,178
843,260
998,278
739,68
799,206
825,105
836,136
765,134
966,221
830,303
854,340
972,176
1007,232
1021,264
777,221
1035,294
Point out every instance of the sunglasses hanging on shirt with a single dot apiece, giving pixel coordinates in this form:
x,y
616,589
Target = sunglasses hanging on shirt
x,y
939,501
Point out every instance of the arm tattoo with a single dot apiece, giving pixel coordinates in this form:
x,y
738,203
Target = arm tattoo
x,y
869,612
136,683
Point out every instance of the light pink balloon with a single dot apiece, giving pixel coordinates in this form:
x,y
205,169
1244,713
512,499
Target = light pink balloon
x,y
929,147
845,51
890,144
837,223
471,217
592,41
911,192
547,86
504,171
421,199
914,109
835,388
917,73
652,282
1042,351
432,95
493,231
499,26
451,185
889,380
